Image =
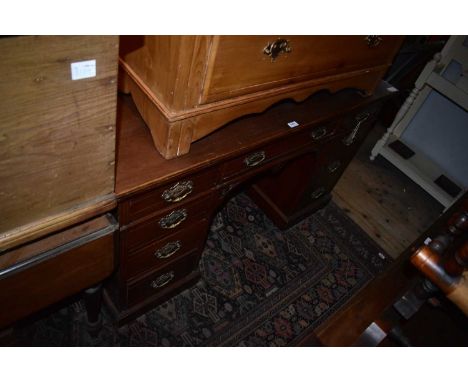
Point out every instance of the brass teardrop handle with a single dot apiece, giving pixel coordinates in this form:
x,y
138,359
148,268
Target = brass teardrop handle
x,y
318,193
274,49
373,41
168,250
173,219
318,133
162,280
178,191
255,159
360,118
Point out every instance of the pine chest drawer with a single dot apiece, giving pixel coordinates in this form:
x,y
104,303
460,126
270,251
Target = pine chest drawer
x,y
242,65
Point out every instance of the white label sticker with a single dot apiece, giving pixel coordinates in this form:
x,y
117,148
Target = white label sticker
x,y
293,124
83,69
392,89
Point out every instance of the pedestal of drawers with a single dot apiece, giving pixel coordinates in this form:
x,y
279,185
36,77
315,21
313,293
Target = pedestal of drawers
x,y
304,184
161,240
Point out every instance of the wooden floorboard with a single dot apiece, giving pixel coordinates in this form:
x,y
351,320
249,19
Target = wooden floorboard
x,y
387,205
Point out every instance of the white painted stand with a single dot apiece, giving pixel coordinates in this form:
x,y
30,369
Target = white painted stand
x,y
420,168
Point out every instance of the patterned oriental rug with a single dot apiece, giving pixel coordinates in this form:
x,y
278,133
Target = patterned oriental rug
x,y
260,286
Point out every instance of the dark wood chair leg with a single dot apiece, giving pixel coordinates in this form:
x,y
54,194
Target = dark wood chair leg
x,y
93,302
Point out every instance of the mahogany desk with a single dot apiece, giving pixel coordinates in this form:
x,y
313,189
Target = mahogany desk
x,y
165,207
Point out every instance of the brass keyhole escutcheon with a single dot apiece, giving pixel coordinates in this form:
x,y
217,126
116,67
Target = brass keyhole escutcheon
x,y
274,49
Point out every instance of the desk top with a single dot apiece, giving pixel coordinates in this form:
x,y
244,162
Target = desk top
x,y
140,166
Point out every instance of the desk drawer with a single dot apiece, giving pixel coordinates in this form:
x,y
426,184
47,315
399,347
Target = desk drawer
x,y
171,248
171,194
246,64
295,143
166,223
162,279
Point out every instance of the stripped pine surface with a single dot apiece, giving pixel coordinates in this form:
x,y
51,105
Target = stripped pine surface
x,y
57,135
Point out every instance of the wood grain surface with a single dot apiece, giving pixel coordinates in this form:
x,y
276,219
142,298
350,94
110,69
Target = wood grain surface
x,y
57,135
237,65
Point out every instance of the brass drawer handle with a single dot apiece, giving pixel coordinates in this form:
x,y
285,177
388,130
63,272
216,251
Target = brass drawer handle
x,y
318,133
255,159
274,49
360,118
178,191
168,250
173,219
162,280
373,41
333,166
318,193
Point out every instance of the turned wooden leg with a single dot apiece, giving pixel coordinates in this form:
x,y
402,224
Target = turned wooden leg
x,y
93,302
445,265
